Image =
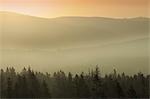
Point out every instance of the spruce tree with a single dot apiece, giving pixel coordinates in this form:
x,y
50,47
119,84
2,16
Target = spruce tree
x,y
9,88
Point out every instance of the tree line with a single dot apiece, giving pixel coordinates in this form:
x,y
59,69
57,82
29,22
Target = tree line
x,y
31,84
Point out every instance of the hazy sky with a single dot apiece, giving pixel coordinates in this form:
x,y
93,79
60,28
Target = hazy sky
x,y
56,8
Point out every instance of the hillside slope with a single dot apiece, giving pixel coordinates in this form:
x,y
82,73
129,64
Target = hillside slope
x,y
27,31
74,43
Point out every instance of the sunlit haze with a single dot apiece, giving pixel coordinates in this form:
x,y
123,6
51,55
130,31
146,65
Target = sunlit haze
x,y
111,33
57,8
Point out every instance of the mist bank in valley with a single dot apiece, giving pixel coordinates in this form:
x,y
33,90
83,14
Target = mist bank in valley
x,y
74,43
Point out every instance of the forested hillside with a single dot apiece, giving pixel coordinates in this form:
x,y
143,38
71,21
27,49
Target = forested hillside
x,y
32,84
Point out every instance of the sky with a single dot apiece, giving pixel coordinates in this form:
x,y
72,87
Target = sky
x,y
96,8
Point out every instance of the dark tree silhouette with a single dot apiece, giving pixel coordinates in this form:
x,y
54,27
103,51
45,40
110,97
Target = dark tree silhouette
x,y
45,90
119,90
9,89
30,84
131,92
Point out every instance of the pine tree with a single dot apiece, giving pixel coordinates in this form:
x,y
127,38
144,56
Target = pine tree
x,y
131,92
83,88
24,87
70,86
45,90
119,90
97,84
9,88
76,84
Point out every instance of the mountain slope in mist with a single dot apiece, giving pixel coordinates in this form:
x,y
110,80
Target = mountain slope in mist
x,y
74,43
28,31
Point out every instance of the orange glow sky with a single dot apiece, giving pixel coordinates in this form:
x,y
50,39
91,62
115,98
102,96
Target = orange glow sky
x,y
57,8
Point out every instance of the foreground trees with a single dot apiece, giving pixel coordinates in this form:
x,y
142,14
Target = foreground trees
x,y
30,84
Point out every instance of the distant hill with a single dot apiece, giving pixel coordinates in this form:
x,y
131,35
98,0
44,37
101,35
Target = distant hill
x,y
29,31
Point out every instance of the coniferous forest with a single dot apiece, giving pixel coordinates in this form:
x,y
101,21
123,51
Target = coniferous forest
x,y
31,84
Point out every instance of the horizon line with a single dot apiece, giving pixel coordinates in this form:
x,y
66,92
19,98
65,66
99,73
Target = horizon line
x,y
69,16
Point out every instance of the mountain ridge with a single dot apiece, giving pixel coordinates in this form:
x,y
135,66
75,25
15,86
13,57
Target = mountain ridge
x,y
98,17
